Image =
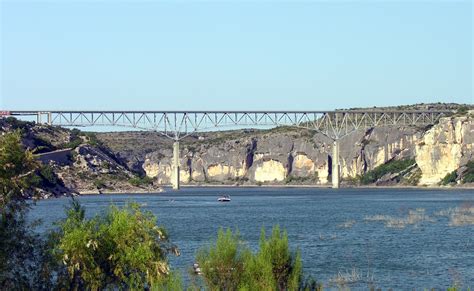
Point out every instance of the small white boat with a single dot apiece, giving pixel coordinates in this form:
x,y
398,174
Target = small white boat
x,y
224,198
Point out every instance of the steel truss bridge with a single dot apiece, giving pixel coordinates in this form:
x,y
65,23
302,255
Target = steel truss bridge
x,y
179,124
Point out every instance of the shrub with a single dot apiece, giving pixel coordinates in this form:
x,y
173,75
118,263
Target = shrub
x,y
414,178
92,139
230,265
449,178
72,144
99,184
392,166
222,263
141,181
462,110
20,246
121,249
296,179
468,175
273,267
48,174
17,167
17,124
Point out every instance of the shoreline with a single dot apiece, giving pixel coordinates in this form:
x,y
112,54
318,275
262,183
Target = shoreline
x,y
167,188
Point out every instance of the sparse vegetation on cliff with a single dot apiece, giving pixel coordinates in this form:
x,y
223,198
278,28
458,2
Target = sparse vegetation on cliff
x,y
291,179
393,166
141,181
449,178
468,175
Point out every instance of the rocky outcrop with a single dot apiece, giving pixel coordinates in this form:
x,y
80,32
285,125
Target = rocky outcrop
x,y
276,156
445,148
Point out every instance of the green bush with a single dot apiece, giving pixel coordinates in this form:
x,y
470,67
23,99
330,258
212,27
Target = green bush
x,y
74,143
223,262
231,265
449,178
20,246
296,179
17,169
141,181
48,174
100,184
273,267
92,139
414,178
468,175
17,124
393,166
462,110
121,249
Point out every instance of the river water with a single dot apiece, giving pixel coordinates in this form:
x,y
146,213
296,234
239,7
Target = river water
x,y
388,238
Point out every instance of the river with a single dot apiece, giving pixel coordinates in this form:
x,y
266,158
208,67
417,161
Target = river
x,y
388,238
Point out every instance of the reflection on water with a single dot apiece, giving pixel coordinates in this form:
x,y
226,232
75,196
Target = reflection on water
x,y
398,238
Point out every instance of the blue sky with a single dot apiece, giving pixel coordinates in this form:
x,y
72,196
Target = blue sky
x,y
247,55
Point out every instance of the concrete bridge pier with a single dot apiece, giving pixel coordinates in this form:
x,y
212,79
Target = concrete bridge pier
x,y
336,168
49,117
175,166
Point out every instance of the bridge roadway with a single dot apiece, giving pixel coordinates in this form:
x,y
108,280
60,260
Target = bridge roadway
x,y
179,124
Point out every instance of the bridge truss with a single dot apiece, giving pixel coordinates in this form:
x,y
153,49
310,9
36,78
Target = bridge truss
x,y
179,124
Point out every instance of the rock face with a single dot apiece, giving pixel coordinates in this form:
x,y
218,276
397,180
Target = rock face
x,y
445,148
276,156
283,154
279,155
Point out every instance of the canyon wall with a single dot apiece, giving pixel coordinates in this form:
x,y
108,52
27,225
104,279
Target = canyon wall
x,y
276,156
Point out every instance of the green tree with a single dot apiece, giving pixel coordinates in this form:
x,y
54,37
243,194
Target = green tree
x,y
230,265
449,178
273,267
222,263
17,167
468,175
20,247
392,166
122,248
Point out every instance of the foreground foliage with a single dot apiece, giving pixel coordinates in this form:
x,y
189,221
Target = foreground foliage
x,y
122,248
230,265
17,167
20,247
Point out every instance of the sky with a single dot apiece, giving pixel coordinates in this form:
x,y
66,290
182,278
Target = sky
x,y
234,55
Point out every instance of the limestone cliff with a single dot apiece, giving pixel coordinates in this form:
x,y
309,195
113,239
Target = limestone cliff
x,y
445,148
285,155
280,155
